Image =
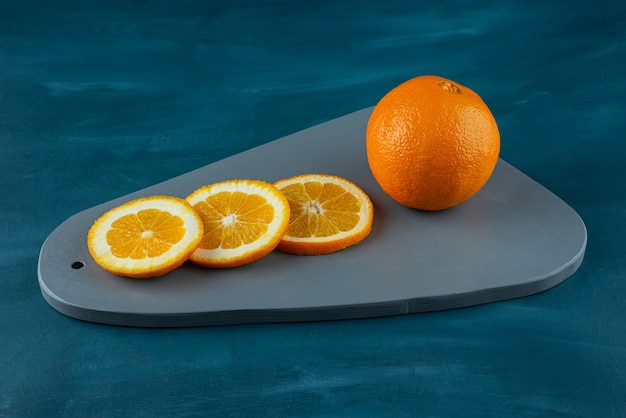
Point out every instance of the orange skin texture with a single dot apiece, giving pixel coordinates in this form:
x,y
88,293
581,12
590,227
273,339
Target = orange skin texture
x,y
432,143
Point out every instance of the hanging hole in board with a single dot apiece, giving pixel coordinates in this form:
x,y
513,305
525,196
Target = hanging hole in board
x,y
76,265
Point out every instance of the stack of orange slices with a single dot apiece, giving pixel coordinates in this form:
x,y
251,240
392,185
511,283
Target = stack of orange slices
x,y
231,223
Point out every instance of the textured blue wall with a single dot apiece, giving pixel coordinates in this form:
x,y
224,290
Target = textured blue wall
x,y
101,98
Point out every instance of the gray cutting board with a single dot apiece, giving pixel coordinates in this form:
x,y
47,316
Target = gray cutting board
x,y
513,239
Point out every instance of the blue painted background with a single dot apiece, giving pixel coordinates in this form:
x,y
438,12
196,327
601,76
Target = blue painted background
x,y
101,98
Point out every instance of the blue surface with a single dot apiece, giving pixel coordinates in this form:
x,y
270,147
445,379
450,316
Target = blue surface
x,y
101,98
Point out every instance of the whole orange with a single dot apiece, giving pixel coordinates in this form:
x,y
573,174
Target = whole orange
x,y
432,143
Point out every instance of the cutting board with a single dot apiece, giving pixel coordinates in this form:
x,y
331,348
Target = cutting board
x,y
513,239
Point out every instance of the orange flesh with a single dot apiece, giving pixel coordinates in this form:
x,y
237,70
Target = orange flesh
x,y
232,219
149,233
320,210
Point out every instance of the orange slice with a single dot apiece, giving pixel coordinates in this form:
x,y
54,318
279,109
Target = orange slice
x,y
145,237
328,214
244,220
